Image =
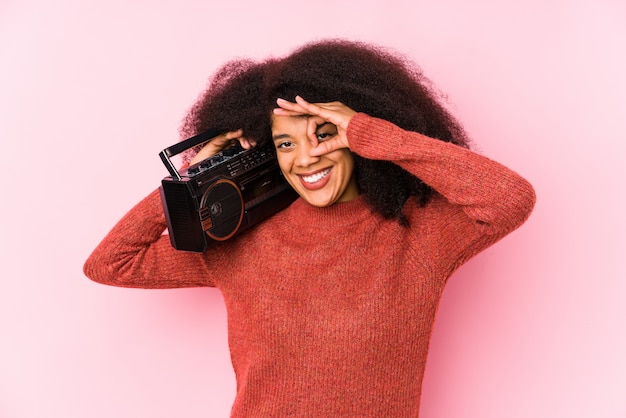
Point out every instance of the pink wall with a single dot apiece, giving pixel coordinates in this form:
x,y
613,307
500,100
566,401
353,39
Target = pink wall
x,y
534,327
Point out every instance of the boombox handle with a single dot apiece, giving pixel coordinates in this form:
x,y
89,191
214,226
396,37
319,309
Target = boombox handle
x,y
184,146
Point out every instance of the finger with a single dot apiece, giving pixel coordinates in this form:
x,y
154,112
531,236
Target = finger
x,y
215,145
246,143
284,112
313,123
329,111
289,106
307,107
223,139
229,136
323,148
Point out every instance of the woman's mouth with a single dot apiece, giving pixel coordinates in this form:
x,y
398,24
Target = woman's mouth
x,y
316,180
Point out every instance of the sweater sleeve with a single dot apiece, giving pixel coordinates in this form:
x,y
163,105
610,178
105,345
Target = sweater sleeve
x,y
136,253
485,200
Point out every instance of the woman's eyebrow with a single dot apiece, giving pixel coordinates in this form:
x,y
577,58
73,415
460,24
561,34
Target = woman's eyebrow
x,y
280,136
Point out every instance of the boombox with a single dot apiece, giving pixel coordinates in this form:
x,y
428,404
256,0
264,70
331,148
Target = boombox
x,y
223,195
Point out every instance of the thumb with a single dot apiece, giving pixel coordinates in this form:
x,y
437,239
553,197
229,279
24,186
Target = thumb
x,y
326,147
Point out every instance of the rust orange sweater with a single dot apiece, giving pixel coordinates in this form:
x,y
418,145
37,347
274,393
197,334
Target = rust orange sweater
x,y
330,310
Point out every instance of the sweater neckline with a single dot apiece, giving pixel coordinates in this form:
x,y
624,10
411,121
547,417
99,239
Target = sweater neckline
x,y
336,215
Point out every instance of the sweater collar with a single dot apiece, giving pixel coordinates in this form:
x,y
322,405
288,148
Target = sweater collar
x,y
337,215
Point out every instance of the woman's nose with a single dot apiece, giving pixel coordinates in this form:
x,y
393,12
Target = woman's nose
x,y
303,156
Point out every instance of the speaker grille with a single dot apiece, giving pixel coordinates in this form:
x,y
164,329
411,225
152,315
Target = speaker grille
x,y
222,210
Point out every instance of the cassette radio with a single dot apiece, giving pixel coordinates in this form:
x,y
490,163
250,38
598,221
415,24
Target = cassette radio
x,y
221,196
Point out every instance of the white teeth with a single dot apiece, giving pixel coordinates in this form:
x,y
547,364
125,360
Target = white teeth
x,y
316,177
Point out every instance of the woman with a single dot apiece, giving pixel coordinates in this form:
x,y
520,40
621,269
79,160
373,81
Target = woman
x,y
331,302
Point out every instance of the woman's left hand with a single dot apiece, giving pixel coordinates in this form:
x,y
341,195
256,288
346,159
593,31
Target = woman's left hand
x,y
334,112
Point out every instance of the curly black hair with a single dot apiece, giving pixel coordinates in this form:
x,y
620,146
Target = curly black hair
x,y
233,99
364,77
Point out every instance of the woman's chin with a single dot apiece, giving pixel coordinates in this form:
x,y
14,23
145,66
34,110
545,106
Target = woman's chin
x,y
314,199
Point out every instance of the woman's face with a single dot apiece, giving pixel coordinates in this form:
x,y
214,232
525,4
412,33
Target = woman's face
x,y
323,180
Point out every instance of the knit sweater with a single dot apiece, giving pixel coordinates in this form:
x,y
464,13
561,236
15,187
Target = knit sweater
x,y
330,310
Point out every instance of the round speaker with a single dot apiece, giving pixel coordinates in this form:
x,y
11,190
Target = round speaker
x,y
223,202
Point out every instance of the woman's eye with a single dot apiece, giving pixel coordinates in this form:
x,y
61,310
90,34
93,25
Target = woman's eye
x,y
284,144
323,136
325,131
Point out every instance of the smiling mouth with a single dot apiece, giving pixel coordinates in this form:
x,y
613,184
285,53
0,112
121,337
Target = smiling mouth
x,y
314,178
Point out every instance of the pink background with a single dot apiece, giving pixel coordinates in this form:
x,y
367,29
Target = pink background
x,y
90,92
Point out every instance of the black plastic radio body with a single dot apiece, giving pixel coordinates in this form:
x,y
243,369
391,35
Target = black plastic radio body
x,y
223,195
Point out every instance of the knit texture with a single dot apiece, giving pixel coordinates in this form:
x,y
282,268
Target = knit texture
x,y
330,310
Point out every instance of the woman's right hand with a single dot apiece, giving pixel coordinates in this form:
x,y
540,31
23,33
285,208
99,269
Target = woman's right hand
x,y
218,143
